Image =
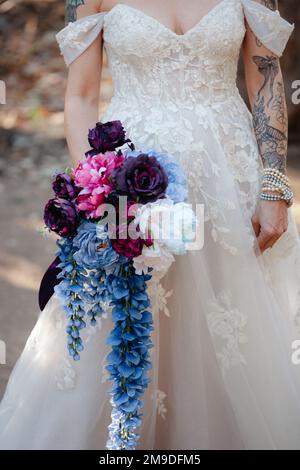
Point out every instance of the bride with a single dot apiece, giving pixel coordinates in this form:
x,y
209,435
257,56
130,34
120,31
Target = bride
x,y
226,316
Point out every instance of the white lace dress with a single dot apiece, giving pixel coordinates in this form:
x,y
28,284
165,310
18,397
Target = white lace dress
x,y
225,319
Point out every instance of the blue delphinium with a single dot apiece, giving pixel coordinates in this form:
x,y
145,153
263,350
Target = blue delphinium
x,y
95,294
129,360
177,185
69,290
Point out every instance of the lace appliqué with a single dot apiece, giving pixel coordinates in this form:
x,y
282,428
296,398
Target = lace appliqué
x,y
159,396
159,298
227,324
77,36
65,376
72,36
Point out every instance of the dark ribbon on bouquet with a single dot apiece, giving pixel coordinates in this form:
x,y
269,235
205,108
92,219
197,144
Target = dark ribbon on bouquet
x,y
48,282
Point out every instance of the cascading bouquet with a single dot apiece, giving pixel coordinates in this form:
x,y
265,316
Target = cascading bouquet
x,y
121,215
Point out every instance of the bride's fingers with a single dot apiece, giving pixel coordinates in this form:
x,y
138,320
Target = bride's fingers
x,y
270,243
255,225
266,238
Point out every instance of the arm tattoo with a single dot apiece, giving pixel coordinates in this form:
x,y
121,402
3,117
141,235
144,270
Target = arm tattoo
x,y
271,141
269,115
71,9
258,42
268,67
272,4
279,106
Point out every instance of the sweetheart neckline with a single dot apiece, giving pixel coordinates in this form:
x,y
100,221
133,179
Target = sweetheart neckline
x,y
162,25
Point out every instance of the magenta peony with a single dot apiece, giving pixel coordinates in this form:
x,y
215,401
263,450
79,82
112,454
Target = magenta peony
x,y
93,176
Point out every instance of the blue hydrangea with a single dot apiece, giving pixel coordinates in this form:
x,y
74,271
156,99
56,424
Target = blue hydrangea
x,y
93,249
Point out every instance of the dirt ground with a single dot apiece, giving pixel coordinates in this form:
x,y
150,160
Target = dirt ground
x,y
32,148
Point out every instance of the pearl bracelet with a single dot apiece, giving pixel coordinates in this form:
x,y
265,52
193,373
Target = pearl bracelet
x,y
275,180
276,173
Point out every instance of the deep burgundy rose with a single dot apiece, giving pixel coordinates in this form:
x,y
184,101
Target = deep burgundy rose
x,y
64,187
142,178
129,247
126,246
61,217
106,136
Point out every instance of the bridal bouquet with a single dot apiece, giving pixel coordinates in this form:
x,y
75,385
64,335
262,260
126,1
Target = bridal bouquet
x,y
121,217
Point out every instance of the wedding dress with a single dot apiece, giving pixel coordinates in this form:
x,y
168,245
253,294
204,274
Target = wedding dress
x,y
225,319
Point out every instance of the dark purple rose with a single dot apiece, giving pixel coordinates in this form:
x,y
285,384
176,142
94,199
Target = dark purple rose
x,y
128,247
142,178
61,217
106,136
64,186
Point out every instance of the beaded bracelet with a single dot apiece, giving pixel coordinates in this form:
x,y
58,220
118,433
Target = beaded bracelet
x,y
278,187
287,197
277,173
275,181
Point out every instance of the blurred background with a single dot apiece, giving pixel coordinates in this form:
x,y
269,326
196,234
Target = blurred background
x,y
32,147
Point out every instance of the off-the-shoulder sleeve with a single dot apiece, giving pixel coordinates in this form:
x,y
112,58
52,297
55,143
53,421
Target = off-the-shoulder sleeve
x,y
76,37
268,26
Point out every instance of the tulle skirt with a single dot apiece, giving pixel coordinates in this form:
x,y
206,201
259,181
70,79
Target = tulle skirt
x,y
225,319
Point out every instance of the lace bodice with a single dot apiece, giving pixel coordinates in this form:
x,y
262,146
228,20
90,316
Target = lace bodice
x,y
165,66
144,55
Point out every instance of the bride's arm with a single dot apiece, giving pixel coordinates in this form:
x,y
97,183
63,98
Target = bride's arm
x,y
267,99
83,84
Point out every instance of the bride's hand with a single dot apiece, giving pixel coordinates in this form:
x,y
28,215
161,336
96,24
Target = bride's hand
x,y
269,221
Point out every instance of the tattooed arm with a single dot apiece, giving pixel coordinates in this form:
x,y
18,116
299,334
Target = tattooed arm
x,y
83,84
267,99
71,9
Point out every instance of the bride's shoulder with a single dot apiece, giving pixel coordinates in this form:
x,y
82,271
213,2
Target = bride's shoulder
x,y
84,23
264,20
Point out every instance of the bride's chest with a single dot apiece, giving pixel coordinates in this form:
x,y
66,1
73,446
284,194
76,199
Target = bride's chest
x,y
130,32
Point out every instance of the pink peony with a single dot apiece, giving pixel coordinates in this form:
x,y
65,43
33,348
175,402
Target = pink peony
x,y
93,176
